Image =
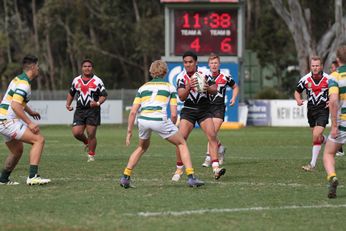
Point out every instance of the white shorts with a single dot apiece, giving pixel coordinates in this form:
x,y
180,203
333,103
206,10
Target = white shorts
x,y
165,128
12,129
340,139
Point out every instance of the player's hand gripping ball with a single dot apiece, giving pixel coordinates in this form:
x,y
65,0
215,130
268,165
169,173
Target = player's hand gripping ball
x,y
200,87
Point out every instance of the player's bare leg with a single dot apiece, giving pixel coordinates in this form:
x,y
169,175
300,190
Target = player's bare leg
x,y
208,128
92,141
178,140
143,145
185,128
78,133
16,151
329,165
221,149
37,141
317,141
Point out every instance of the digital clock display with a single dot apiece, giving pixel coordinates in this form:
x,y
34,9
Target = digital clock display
x,y
206,31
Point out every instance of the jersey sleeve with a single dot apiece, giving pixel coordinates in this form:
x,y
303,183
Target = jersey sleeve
x,y
230,81
333,83
181,82
73,89
300,86
138,99
21,92
173,95
102,88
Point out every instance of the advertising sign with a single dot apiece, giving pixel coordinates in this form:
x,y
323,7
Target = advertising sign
x,y
54,111
259,112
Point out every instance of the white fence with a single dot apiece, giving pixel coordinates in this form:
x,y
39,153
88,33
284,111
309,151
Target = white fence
x,y
282,113
254,113
54,111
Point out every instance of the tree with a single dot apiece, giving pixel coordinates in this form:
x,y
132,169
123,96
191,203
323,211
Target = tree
x,y
298,21
272,42
122,37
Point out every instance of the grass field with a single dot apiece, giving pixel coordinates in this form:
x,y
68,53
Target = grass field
x,y
264,187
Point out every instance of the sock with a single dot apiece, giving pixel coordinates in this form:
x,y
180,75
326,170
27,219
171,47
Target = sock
x,y
315,151
33,170
215,163
5,175
180,164
189,172
207,157
127,171
330,176
316,148
91,153
86,142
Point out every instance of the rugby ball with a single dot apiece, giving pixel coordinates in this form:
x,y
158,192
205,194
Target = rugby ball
x,y
200,81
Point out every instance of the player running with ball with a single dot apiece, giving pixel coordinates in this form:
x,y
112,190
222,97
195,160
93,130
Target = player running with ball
x,y
196,109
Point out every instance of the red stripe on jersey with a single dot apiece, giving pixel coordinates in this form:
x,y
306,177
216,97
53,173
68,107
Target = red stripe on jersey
x,y
186,79
316,88
85,87
220,79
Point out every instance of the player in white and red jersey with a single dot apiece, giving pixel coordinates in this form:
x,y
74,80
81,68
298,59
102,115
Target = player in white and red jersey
x,y
91,93
196,109
217,101
315,83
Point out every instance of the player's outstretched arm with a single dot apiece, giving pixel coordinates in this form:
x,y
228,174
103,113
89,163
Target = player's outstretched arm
x,y
174,116
69,100
32,113
298,98
102,99
19,110
333,108
234,95
131,122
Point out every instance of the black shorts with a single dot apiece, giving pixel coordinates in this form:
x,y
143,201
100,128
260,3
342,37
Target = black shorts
x,y
89,116
318,117
195,115
218,110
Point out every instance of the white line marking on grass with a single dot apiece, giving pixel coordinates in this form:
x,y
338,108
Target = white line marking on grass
x,y
53,141
155,181
233,210
241,183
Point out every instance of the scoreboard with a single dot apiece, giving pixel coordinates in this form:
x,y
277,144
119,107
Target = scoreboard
x,y
203,26
205,31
